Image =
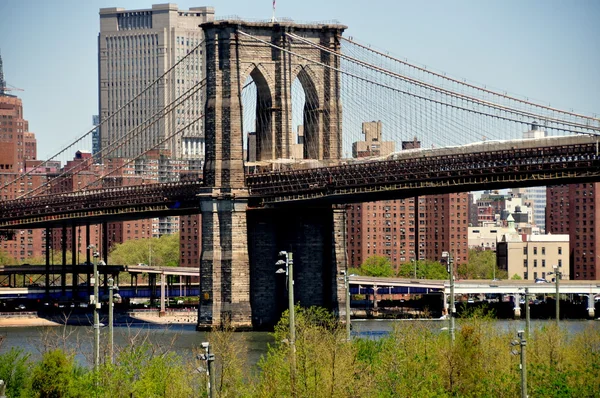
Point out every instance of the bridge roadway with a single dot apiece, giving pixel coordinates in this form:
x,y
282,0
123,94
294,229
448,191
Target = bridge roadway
x,y
87,269
478,286
493,165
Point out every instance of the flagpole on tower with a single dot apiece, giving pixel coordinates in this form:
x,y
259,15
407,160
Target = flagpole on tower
x,y
273,16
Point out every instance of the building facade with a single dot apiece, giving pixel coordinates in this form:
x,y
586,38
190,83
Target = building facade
x,y
572,209
136,47
534,256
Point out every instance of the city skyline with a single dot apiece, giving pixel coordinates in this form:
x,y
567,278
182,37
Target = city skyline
x,y
52,53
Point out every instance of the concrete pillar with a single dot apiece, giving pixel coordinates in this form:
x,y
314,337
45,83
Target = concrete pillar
x,y
374,297
162,294
446,305
517,307
224,265
591,306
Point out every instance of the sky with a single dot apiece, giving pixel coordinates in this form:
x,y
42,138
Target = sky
x,y
544,50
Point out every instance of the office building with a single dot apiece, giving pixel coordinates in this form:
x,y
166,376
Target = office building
x,y
136,47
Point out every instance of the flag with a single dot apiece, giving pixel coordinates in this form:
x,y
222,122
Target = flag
x,y
274,1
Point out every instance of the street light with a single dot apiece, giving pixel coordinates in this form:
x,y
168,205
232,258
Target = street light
x,y
450,263
415,264
289,272
557,274
94,300
346,279
521,342
210,375
111,296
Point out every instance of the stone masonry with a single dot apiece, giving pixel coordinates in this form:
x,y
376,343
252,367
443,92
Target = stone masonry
x,y
236,285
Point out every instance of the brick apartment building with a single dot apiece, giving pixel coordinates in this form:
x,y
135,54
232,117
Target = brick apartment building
x,y
572,209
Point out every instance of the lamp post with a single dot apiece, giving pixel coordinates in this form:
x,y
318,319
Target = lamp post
x,y
111,288
96,303
209,358
347,287
289,272
557,275
521,342
415,266
451,312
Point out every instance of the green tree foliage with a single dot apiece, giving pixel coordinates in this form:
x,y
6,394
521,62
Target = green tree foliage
x,y
54,376
14,370
6,259
377,266
516,277
481,265
325,361
426,269
162,252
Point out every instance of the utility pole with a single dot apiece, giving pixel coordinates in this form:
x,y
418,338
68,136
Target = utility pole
x,y
210,373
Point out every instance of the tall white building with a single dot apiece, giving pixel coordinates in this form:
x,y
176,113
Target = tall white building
x,y
135,47
537,195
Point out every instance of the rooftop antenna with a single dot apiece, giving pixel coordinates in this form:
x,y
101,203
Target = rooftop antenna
x,y
273,20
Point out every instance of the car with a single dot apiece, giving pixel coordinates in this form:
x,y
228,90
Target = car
x,y
142,265
540,280
20,307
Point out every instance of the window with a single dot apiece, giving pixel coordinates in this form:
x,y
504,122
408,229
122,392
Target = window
x,y
559,250
525,250
543,263
535,263
560,263
543,251
535,250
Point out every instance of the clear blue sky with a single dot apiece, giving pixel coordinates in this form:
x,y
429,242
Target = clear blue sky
x,y
548,50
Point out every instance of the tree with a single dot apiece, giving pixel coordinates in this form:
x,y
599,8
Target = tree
x,y
481,265
377,266
162,252
516,277
53,376
426,269
5,259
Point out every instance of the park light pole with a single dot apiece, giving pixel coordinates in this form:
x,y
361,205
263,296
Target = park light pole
x,y
111,295
96,303
415,267
289,272
347,287
210,374
452,310
557,274
521,342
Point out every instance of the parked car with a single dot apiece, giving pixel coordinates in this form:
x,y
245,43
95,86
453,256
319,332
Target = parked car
x,y
540,280
20,307
142,265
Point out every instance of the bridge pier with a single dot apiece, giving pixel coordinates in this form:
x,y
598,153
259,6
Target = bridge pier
x,y
591,307
224,265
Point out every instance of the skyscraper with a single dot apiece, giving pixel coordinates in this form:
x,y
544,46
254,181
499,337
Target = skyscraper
x,y
135,47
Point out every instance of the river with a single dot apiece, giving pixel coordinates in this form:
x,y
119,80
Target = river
x,y
184,339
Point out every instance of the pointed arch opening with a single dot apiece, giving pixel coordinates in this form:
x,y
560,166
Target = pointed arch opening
x,y
305,118
257,107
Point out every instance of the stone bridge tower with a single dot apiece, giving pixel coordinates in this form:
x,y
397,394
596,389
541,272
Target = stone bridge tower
x,y
231,56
